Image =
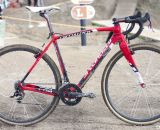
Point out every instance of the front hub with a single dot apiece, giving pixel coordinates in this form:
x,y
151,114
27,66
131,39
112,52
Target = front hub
x,y
143,85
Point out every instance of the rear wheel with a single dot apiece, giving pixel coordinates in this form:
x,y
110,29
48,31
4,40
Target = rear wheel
x,y
122,92
15,61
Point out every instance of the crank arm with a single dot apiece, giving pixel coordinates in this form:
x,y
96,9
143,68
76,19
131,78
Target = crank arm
x,y
76,94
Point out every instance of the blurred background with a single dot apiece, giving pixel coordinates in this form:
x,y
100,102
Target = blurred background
x,y
63,22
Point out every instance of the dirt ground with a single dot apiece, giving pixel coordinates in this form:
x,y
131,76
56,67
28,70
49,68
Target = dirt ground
x,y
90,113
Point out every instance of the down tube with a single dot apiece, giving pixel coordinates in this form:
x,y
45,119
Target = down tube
x,y
93,67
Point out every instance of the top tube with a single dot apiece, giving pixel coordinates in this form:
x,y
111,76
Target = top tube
x,y
116,29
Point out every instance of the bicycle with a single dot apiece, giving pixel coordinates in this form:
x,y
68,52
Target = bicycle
x,y
126,80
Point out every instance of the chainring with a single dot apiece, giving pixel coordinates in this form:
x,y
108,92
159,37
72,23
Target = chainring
x,y
66,94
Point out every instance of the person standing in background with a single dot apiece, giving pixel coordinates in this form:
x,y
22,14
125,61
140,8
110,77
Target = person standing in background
x,y
29,2
32,2
16,3
4,4
35,2
38,3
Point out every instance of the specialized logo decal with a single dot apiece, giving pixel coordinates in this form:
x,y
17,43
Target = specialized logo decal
x,y
76,34
44,89
82,1
83,12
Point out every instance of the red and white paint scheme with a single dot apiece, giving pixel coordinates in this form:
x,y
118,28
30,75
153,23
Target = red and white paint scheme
x,y
116,37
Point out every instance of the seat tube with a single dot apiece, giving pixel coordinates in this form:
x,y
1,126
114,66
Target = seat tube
x,y
128,55
61,63
62,66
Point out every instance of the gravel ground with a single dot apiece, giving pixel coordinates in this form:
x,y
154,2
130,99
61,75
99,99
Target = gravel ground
x,y
90,113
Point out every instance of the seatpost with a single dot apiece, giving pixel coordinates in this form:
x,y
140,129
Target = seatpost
x,y
45,15
66,79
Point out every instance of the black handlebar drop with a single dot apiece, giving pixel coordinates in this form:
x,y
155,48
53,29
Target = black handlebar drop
x,y
137,15
128,30
137,18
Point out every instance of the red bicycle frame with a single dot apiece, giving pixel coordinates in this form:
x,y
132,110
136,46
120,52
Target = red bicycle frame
x,y
116,37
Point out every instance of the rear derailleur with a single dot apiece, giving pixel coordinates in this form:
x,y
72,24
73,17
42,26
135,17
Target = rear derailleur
x,y
71,94
19,94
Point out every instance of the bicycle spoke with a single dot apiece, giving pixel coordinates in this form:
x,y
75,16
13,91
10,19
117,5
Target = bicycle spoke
x,y
123,84
25,112
154,76
4,73
40,105
119,101
150,110
135,104
11,111
157,91
124,94
124,72
148,66
6,62
153,84
15,62
9,94
31,113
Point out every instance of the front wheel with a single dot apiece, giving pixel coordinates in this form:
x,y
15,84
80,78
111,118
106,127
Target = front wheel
x,y
15,60
122,92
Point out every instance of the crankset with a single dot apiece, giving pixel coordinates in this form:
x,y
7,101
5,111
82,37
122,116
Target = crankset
x,y
71,94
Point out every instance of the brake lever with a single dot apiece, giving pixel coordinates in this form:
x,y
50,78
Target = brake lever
x,y
128,41
150,24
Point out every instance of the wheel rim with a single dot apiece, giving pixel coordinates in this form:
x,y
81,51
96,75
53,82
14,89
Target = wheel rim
x,y
13,66
127,99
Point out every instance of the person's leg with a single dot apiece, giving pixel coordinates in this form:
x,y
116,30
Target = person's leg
x,y
0,12
35,2
29,2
